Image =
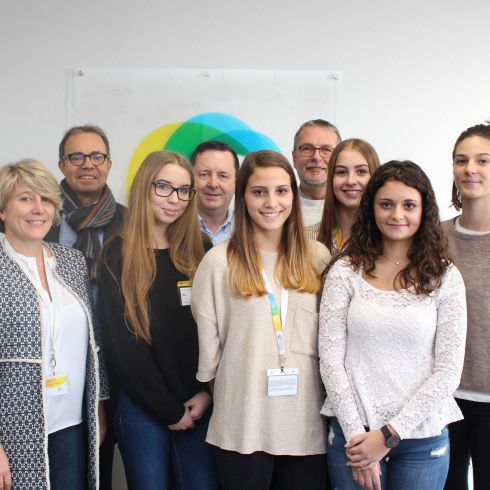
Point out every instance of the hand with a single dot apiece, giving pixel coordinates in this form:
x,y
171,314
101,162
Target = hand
x,y
366,448
184,423
5,478
368,477
102,423
198,404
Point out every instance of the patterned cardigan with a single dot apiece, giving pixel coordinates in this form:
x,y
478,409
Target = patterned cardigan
x,y
23,425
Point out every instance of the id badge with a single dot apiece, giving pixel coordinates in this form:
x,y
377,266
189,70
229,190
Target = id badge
x,y
282,383
185,292
56,386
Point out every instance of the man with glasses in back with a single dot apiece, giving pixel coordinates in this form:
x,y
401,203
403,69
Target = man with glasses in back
x,y
90,212
90,216
314,142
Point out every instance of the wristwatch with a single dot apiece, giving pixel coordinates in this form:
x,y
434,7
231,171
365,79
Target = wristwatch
x,y
391,440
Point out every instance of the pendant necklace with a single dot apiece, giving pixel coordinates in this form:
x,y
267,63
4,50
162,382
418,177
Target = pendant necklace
x,y
396,262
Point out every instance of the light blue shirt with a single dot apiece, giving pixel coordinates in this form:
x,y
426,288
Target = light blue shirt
x,y
222,233
68,235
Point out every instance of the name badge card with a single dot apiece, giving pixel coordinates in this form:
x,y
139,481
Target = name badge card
x,y
56,386
185,292
282,383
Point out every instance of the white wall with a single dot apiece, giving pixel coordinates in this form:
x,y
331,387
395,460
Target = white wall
x,y
413,74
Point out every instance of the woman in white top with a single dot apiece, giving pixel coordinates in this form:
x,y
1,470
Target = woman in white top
x,y
391,342
255,303
469,244
49,383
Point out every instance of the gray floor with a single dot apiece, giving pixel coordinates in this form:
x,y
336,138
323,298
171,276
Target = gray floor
x,y
118,477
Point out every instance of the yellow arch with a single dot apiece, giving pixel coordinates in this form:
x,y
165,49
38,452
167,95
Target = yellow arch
x,y
154,141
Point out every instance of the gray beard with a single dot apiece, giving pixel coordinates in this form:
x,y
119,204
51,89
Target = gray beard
x,y
315,183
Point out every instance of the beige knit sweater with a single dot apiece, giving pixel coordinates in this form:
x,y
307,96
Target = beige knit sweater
x,y
471,255
237,345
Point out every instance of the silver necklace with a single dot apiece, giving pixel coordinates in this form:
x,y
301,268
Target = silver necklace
x,y
396,262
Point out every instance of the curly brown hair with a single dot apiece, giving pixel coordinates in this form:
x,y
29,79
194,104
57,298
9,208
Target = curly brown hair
x,y
428,253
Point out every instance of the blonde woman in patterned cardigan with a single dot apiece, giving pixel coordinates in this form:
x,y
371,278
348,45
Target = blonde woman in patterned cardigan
x,y
49,381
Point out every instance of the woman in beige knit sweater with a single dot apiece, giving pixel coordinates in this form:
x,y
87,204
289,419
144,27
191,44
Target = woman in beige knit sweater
x,y
469,245
255,300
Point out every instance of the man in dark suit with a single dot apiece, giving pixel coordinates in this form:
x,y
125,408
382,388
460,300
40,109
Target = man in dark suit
x,y
90,216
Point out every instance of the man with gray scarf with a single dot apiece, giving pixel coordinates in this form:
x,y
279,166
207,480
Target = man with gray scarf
x,y
90,212
90,216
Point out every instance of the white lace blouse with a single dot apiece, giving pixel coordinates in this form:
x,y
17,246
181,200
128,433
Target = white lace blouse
x,y
391,356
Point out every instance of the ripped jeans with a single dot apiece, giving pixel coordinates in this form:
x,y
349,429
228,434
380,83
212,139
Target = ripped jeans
x,y
415,464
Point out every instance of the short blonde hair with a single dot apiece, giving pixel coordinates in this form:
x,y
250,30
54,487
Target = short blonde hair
x,y
33,174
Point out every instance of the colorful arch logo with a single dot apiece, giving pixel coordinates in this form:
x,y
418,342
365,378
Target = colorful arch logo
x,y
183,137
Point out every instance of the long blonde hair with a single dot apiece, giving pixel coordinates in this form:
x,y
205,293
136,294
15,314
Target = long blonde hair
x,y
294,265
138,257
329,216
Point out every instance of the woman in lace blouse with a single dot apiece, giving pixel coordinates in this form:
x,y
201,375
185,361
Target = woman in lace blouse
x,y
391,340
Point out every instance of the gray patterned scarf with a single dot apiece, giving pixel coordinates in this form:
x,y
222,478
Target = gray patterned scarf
x,y
87,221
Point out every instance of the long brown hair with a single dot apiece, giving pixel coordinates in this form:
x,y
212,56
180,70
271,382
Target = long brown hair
x,y
138,258
481,130
294,264
428,253
329,216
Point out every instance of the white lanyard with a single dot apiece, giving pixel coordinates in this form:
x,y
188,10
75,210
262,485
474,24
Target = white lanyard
x,y
52,307
278,320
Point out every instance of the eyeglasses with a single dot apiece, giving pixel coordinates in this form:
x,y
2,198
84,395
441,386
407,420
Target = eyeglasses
x,y
163,189
309,150
78,158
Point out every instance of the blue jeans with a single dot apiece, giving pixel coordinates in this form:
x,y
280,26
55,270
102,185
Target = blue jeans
x,y
151,452
67,458
420,464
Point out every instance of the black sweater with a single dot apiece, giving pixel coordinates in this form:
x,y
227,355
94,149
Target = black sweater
x,y
162,376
